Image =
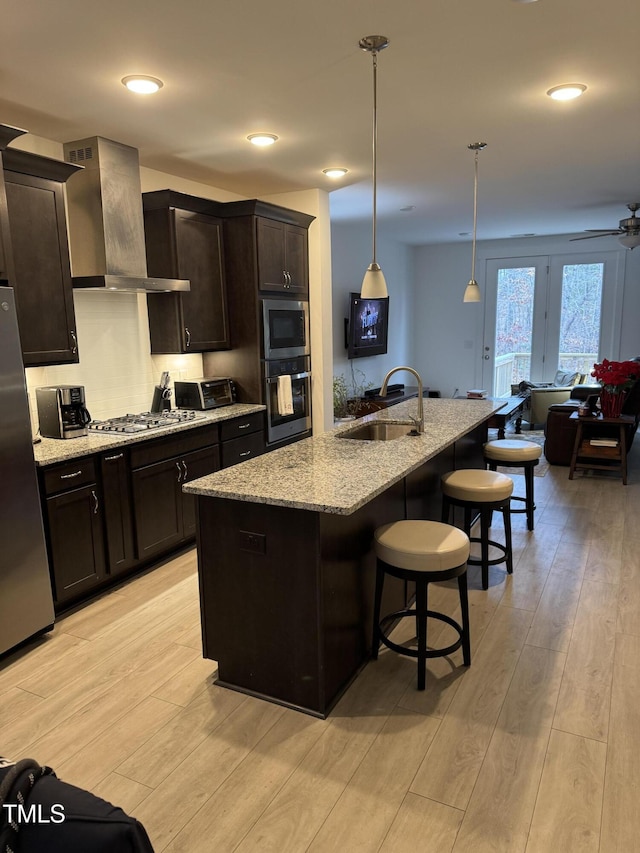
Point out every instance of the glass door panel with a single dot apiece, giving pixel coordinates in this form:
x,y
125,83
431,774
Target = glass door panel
x,y
515,297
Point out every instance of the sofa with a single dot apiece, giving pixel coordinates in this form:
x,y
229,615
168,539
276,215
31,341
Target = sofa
x,y
540,396
560,430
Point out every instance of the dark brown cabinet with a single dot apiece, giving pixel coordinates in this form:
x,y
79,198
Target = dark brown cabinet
x,y
40,251
282,256
112,513
118,514
242,439
164,515
7,135
75,530
186,243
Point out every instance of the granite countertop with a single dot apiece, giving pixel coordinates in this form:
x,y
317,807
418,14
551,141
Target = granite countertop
x,y
52,450
325,473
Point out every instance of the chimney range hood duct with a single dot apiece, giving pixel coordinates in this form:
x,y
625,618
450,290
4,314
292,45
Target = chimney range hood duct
x,y
106,226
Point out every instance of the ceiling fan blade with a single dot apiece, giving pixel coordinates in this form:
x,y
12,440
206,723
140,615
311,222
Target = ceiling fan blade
x,y
593,236
606,230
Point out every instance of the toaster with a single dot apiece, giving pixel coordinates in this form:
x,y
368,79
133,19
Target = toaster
x,y
204,393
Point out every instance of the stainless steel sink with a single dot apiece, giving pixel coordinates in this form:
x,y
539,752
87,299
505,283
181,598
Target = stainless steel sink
x,y
379,431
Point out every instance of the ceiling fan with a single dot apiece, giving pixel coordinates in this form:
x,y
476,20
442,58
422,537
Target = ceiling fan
x,y
628,230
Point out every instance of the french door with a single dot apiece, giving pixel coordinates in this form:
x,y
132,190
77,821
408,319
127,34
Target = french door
x,y
545,313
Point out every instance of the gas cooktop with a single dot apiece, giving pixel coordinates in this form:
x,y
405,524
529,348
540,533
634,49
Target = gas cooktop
x,y
145,421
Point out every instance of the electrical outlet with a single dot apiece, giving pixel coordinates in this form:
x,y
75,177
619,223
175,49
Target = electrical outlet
x,y
256,543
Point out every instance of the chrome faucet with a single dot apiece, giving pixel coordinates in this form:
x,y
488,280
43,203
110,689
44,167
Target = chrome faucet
x,y
419,421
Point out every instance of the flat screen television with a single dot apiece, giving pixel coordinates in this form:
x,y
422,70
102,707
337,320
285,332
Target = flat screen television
x,y
367,326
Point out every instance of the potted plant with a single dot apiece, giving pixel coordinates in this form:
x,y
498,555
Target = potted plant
x,y
347,397
616,377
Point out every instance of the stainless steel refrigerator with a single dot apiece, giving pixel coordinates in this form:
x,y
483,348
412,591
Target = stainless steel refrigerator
x,y
26,602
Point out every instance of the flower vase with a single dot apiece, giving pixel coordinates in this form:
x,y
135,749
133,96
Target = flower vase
x,y
611,403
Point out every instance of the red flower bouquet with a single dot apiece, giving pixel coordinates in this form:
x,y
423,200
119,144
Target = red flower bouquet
x,y
616,377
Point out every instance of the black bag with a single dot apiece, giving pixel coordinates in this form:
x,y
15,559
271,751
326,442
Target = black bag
x,y
42,814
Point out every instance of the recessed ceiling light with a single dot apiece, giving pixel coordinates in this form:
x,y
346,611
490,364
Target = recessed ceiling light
x,y
335,172
141,84
262,139
567,91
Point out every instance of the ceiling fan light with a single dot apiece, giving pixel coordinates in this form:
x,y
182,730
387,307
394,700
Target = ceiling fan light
x,y
630,241
567,92
472,292
374,285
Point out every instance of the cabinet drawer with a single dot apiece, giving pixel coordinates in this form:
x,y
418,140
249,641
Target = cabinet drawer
x,y
155,450
241,426
240,449
70,475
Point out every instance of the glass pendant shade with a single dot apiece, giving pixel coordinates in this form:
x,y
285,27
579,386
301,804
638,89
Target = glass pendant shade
x,y
472,292
374,285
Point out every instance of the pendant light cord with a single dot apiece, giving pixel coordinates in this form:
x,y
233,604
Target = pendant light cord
x,y
374,54
475,217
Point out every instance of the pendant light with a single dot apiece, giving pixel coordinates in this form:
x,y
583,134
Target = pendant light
x,y
373,284
472,292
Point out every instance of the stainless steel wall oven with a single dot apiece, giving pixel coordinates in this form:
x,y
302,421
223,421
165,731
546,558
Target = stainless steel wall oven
x,y
287,397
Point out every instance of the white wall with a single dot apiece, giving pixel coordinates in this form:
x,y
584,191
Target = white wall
x,y
351,254
448,334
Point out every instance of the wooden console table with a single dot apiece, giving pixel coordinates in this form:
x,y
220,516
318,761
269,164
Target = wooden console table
x,y
513,408
587,455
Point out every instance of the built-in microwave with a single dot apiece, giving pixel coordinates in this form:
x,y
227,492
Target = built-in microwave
x,y
285,328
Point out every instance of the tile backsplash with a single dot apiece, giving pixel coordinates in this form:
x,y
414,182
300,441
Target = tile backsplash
x,y
116,367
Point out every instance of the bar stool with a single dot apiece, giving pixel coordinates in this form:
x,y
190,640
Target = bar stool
x,y
424,552
486,491
516,454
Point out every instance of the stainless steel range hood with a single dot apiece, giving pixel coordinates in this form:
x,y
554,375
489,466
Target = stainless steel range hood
x,y
106,227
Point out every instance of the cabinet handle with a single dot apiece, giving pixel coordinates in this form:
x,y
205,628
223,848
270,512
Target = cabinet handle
x,y
244,426
70,476
113,458
188,335
286,278
96,504
179,472
74,348
245,453
184,465
289,278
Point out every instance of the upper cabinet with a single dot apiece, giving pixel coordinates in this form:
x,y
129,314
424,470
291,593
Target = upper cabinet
x,y
282,256
41,274
272,242
183,236
7,135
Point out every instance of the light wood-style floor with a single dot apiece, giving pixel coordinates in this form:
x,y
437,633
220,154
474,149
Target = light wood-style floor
x,y
533,748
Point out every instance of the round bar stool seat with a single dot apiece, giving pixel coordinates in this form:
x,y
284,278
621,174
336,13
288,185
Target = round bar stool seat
x,y
485,491
516,453
423,552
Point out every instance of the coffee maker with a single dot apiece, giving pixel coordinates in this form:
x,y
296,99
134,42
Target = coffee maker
x,y
61,411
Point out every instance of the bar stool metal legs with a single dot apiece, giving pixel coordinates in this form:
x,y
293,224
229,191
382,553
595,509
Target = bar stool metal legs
x,y
516,453
483,492
429,552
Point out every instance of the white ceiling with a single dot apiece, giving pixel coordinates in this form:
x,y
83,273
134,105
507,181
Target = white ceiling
x,y
456,72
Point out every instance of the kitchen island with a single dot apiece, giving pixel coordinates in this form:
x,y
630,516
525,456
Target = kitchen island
x,y
285,557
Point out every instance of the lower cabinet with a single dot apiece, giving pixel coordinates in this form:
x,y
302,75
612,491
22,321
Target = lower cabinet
x,y
109,513
164,516
118,514
75,531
